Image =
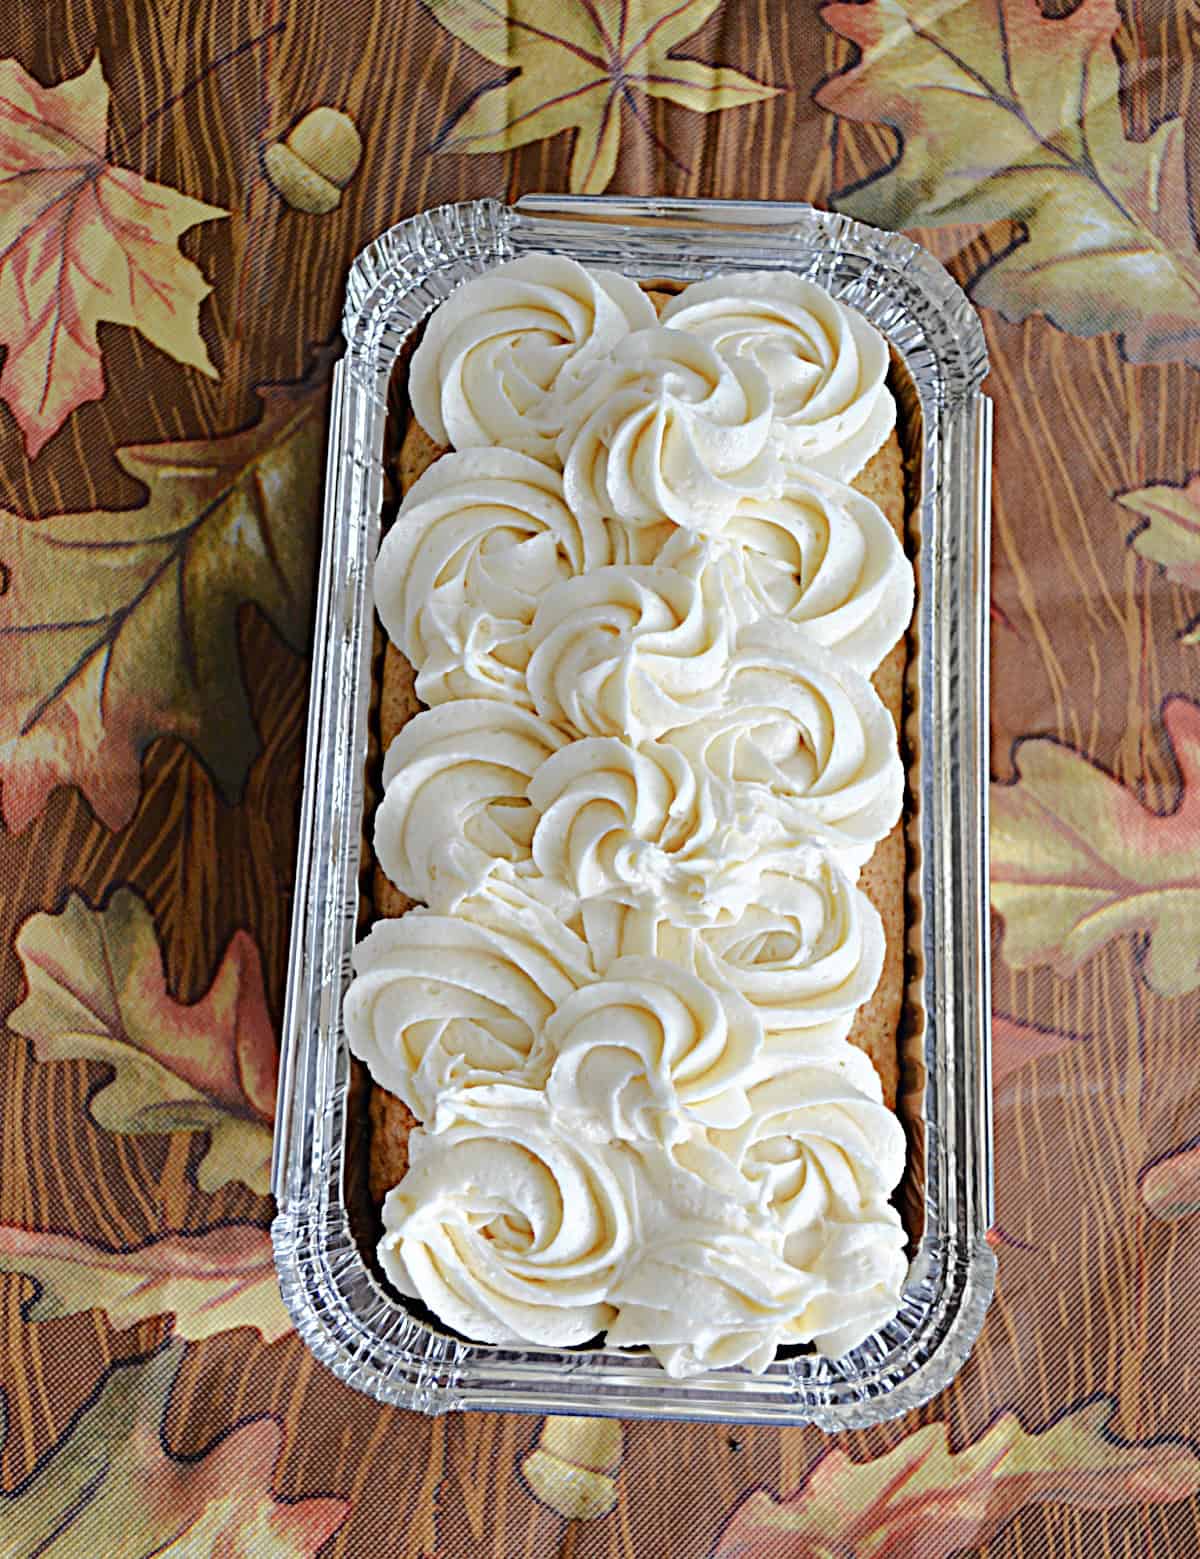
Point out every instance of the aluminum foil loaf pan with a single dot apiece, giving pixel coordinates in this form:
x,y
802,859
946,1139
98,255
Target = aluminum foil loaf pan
x,y
355,1324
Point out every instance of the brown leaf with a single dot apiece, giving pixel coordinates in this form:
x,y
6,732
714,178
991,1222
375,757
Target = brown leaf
x,y
110,1486
118,626
1077,860
98,991
81,242
581,68
212,1282
924,1501
1007,114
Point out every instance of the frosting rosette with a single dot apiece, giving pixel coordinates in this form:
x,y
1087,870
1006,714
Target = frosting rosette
x,y
805,953
634,825
631,651
443,1006
803,738
818,1143
666,429
496,351
824,363
510,1230
478,540
823,558
644,1052
454,801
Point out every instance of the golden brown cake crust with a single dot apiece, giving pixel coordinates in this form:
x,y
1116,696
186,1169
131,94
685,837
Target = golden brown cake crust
x,y
877,1022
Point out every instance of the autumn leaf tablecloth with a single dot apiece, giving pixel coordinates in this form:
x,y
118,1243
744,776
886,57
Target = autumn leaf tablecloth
x,y
183,184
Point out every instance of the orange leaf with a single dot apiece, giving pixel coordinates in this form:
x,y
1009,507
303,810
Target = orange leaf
x,y
110,1486
211,1282
924,1501
98,991
1005,113
82,241
1077,860
121,625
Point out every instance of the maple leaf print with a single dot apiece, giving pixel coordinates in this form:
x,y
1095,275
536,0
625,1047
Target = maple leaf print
x,y
81,242
1007,114
581,65
118,626
97,991
1077,860
925,1501
111,1487
210,1282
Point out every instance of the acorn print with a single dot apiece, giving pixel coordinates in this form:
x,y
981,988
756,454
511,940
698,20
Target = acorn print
x,y
571,1470
318,158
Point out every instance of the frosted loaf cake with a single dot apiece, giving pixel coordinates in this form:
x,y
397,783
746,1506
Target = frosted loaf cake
x,y
647,1018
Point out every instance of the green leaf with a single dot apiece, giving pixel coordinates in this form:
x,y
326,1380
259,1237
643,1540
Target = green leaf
x,y
119,626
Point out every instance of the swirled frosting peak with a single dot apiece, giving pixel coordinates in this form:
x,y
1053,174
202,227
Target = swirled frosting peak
x,y
496,351
824,363
478,540
666,429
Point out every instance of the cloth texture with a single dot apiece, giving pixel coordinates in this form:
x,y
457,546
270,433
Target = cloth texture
x,y
183,186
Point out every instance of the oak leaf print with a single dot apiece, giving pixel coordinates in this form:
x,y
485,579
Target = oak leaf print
x,y
211,1282
97,991
118,626
1006,114
82,241
925,1501
1171,536
112,1487
1016,1045
583,65
1077,860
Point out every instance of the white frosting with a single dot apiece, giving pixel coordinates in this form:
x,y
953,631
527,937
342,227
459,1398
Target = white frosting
x,y
666,429
454,801
478,540
825,559
630,651
509,1229
493,354
442,1006
806,953
637,826
818,1142
824,363
648,1050
653,767
802,739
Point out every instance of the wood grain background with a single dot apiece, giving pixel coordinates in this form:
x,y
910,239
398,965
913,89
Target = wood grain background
x,y
1094,1297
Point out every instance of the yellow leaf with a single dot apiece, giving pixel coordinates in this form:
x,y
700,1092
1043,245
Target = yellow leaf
x,y
582,67
1172,536
1077,860
1005,113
